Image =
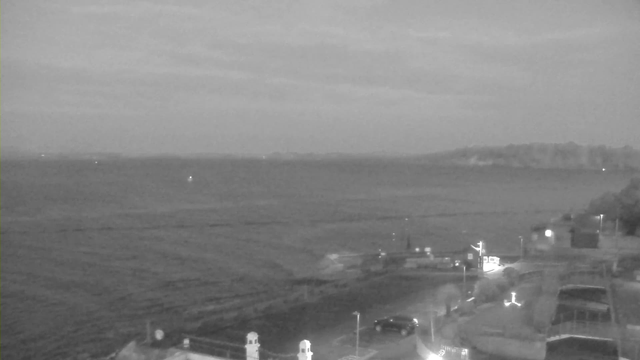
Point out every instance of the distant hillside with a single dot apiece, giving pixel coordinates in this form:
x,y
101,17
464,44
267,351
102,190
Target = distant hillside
x,y
545,156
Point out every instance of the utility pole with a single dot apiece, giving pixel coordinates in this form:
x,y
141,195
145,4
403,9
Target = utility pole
x,y
521,248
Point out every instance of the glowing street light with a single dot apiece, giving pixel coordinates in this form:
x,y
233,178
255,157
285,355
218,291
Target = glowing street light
x,y
513,300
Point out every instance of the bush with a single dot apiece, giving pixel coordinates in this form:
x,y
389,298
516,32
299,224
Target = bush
x,y
511,275
550,284
502,285
486,290
466,308
447,295
543,311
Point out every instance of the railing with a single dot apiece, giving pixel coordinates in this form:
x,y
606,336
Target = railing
x,y
441,349
590,329
228,350
215,348
629,348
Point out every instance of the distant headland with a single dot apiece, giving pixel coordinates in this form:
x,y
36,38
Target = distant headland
x,y
534,155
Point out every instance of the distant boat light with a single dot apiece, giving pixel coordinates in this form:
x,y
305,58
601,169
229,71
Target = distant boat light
x,y
190,178
603,169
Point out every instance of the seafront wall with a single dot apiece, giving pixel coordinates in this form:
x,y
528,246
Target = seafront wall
x,y
499,346
511,348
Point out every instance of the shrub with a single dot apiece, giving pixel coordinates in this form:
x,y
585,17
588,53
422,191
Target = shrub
x,y
448,294
550,284
466,307
544,308
486,291
512,275
502,285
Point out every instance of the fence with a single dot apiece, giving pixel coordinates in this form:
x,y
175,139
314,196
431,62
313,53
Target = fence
x,y
580,328
629,348
426,348
232,351
216,348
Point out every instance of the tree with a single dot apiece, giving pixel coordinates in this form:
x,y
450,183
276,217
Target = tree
x,y
624,206
448,294
607,204
629,199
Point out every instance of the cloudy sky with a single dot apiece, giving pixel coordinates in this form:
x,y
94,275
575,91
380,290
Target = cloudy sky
x,y
317,76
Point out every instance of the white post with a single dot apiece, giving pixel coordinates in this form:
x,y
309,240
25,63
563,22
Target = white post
x,y
305,350
252,346
433,336
357,314
464,282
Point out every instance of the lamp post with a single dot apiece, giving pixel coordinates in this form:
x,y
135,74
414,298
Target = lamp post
x,y
432,331
464,281
521,247
407,233
480,250
357,314
601,216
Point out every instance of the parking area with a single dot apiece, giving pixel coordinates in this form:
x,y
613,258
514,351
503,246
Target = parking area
x,y
340,342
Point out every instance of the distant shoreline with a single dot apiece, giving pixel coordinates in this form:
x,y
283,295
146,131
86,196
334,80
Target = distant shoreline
x,y
534,156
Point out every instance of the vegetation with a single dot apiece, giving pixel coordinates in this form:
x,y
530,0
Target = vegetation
x,y
448,294
547,156
512,275
488,290
544,306
624,206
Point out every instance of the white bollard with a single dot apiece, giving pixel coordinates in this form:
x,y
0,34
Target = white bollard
x,y
252,346
305,350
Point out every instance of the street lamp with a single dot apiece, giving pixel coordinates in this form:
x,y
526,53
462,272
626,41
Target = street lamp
x,y
480,250
601,216
357,314
464,280
521,247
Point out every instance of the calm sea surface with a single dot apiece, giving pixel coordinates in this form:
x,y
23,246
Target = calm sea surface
x,y
91,250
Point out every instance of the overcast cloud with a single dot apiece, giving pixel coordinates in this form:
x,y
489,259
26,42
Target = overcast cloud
x,y
317,76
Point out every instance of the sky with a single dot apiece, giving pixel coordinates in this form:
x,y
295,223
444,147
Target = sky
x,y
397,76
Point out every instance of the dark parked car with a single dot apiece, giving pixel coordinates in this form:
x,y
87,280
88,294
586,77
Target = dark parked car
x,y
405,325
